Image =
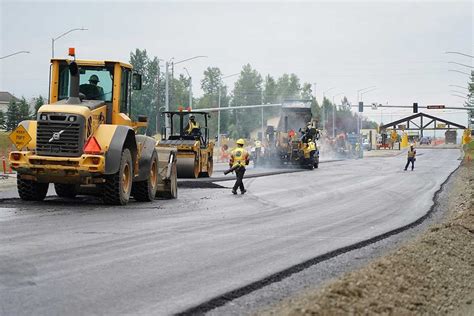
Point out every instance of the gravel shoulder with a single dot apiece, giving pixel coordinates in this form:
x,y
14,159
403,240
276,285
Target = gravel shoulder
x,y
431,274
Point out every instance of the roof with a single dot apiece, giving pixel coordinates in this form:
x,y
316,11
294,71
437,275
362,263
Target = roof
x,y
85,62
7,97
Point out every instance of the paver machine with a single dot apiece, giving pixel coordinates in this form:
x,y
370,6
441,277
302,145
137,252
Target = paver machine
x,y
84,140
194,149
285,145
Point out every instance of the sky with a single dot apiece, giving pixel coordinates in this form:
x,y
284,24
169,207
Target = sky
x,y
397,46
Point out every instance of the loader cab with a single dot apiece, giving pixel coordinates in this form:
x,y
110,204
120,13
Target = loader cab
x,y
179,121
107,83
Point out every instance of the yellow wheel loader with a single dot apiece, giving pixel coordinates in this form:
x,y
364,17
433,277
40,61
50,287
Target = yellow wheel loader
x,y
194,150
84,141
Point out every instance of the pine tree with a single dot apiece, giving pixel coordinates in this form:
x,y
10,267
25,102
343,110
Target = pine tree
x,y
13,116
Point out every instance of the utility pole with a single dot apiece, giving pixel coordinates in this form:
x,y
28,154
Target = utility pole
x,y
190,88
334,114
261,136
167,98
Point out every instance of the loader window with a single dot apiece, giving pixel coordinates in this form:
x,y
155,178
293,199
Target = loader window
x,y
124,88
96,83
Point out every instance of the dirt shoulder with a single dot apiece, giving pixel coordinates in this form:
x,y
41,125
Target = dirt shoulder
x,y
431,274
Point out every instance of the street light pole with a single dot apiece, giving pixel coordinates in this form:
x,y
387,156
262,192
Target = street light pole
x,y
190,88
359,117
16,53
63,34
334,115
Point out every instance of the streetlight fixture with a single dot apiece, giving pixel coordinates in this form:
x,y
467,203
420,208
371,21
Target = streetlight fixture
x,y
167,95
54,39
362,93
16,53
358,91
334,115
219,106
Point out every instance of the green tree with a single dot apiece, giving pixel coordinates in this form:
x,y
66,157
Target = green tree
x,y
39,101
2,120
13,116
24,110
247,91
211,81
146,100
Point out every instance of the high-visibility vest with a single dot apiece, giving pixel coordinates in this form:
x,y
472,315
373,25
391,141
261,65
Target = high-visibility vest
x,y
411,153
312,146
191,126
239,156
258,144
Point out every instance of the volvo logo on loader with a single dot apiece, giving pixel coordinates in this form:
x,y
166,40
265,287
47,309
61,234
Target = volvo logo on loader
x,y
56,136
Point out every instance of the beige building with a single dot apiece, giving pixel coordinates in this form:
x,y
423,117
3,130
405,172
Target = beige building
x,y
5,98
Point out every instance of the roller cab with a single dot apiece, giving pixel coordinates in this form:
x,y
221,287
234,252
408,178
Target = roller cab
x,y
191,142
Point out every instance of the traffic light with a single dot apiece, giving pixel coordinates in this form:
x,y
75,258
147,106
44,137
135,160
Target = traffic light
x,y
415,107
361,106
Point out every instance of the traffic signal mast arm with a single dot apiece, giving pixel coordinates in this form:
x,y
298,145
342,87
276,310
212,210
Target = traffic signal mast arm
x,y
420,107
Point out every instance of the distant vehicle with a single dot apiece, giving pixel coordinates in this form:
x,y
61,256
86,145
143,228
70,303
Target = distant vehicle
x,y
365,144
425,141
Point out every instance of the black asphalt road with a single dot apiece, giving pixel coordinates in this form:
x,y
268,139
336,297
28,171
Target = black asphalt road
x,y
81,257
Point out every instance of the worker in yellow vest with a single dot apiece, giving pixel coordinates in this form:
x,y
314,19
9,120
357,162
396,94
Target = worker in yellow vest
x,y
411,158
193,127
312,148
238,160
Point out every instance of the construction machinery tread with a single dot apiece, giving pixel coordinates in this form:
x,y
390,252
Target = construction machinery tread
x,y
30,190
65,190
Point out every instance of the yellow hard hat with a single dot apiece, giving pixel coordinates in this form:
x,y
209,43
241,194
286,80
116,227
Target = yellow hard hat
x,y
240,142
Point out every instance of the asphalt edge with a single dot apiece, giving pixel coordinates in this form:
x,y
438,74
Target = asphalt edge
x,y
278,276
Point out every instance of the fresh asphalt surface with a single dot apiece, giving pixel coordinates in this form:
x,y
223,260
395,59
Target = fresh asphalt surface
x,y
81,257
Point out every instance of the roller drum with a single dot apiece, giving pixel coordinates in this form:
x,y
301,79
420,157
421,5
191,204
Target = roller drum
x,y
188,167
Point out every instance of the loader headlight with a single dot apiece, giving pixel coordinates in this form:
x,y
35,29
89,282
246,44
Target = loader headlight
x,y
43,117
71,119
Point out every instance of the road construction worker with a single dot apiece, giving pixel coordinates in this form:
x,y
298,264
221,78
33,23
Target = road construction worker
x,y
91,90
239,158
411,158
193,127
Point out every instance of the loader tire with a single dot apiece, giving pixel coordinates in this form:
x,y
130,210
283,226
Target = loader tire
x,y
117,187
65,190
145,191
31,190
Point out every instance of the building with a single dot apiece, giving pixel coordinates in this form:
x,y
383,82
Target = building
x,y
5,98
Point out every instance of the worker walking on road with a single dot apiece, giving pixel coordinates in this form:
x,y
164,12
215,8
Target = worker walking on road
x,y
411,158
239,158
